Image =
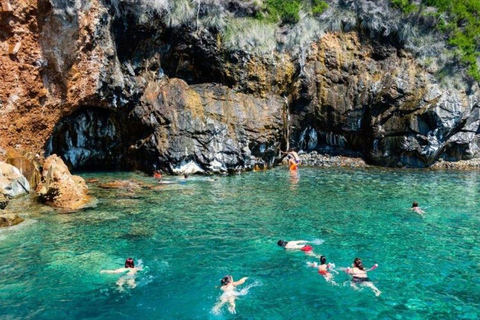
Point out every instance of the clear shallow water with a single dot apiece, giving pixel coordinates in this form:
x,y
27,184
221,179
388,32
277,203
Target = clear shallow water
x,y
190,235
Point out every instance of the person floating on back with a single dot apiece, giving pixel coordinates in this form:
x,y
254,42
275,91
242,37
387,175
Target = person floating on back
x,y
129,277
360,277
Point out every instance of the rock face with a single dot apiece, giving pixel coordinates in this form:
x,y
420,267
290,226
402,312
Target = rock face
x,y
3,201
59,188
386,108
12,182
107,87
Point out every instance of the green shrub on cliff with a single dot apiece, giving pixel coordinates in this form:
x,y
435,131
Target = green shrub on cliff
x,y
460,20
318,7
288,11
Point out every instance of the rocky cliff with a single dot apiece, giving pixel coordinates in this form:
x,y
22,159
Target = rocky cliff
x,y
113,84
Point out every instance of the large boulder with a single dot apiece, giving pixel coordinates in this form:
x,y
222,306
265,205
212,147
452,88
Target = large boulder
x,y
12,181
59,188
8,220
28,164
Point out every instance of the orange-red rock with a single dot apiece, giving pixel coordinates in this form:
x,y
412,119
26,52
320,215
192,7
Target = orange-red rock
x,y
59,188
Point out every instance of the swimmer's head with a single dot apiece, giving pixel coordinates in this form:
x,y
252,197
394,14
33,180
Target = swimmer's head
x,y
282,243
226,280
358,263
129,263
414,204
323,259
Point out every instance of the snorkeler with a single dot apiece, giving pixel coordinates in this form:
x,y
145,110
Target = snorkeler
x,y
416,208
129,277
297,245
229,294
359,276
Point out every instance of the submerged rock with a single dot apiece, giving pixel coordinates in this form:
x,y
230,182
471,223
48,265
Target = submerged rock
x,y
120,184
59,188
8,220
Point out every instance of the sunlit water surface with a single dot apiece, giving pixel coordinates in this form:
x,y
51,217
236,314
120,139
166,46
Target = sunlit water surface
x,y
189,235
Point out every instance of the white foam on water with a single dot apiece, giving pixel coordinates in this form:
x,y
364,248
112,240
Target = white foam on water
x,y
244,291
317,241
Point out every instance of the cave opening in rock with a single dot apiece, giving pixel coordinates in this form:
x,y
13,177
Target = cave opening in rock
x,y
88,139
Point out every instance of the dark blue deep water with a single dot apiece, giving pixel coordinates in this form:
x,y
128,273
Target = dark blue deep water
x,y
189,235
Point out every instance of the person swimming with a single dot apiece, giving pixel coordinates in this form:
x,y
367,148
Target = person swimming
x,y
157,175
129,277
292,154
324,269
297,245
229,294
360,277
416,208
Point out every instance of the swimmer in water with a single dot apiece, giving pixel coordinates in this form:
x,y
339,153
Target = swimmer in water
x,y
157,175
297,245
292,154
416,208
324,268
129,277
359,276
229,294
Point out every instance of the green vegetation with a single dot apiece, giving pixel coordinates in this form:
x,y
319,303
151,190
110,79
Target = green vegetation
x,y
288,11
405,5
461,21
318,7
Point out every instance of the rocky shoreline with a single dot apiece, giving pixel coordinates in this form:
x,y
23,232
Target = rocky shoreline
x,y
315,159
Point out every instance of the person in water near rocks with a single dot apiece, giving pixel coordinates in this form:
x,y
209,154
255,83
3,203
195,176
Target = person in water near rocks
x,y
292,165
129,277
416,208
157,175
360,277
292,154
297,245
229,294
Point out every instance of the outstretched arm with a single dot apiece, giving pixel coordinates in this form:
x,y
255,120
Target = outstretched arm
x,y
114,271
241,281
375,266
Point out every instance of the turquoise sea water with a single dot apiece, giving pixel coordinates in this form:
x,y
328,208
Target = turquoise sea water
x,y
189,235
